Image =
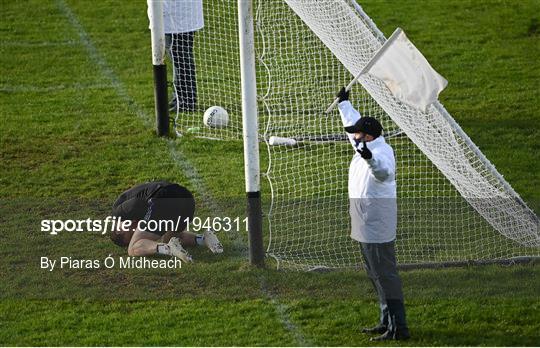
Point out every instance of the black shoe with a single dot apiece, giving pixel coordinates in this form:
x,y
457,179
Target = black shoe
x,y
379,329
399,335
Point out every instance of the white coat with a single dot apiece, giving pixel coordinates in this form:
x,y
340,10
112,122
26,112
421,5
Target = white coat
x,y
372,187
182,16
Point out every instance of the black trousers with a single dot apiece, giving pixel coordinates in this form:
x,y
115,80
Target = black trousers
x,y
179,47
381,267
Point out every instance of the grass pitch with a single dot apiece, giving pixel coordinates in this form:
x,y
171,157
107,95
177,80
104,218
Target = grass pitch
x,y
76,130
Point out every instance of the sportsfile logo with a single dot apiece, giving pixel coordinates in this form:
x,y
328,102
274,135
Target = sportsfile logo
x,y
110,223
53,227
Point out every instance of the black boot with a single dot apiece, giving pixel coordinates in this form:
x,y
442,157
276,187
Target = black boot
x,y
382,326
379,329
398,335
397,325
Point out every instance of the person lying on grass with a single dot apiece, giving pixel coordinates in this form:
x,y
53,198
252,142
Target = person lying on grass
x,y
167,206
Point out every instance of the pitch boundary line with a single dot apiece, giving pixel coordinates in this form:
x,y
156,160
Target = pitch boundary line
x,y
30,44
43,89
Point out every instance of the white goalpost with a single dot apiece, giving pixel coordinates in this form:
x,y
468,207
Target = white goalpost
x,y
453,205
155,14
250,132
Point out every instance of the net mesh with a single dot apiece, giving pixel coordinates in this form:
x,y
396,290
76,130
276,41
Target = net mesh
x,y
452,205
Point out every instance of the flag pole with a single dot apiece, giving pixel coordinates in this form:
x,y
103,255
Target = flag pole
x,y
368,66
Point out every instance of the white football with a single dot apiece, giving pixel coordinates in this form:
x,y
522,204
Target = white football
x,y
216,117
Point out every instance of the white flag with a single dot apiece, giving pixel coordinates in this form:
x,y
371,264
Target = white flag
x,y
406,72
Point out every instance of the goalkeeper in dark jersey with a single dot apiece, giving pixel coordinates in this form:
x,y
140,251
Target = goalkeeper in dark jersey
x,y
159,204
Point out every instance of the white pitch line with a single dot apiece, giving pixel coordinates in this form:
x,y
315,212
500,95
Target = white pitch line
x,y
282,311
179,158
45,89
30,44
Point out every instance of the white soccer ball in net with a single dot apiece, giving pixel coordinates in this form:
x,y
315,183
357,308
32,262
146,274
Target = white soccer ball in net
x,y
216,117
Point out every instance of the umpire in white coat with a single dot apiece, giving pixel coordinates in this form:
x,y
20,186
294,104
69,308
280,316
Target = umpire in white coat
x,y
373,210
181,20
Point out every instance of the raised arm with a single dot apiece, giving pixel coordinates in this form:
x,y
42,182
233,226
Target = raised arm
x,y
349,117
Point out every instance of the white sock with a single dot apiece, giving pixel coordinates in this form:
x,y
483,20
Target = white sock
x,y
200,239
163,249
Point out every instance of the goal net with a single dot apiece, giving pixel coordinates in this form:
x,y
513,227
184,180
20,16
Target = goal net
x,y
453,206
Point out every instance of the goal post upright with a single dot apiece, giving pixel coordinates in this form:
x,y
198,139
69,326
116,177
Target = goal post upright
x,y
250,132
155,14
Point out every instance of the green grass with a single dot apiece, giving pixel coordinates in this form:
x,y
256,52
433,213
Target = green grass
x,y
192,322
76,131
489,305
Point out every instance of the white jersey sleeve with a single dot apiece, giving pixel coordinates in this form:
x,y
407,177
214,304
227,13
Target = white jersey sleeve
x,y
349,117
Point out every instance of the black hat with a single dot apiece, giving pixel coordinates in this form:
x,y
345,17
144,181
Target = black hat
x,y
368,125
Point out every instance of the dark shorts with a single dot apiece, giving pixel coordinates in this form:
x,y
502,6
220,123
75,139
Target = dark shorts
x,y
160,202
173,204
